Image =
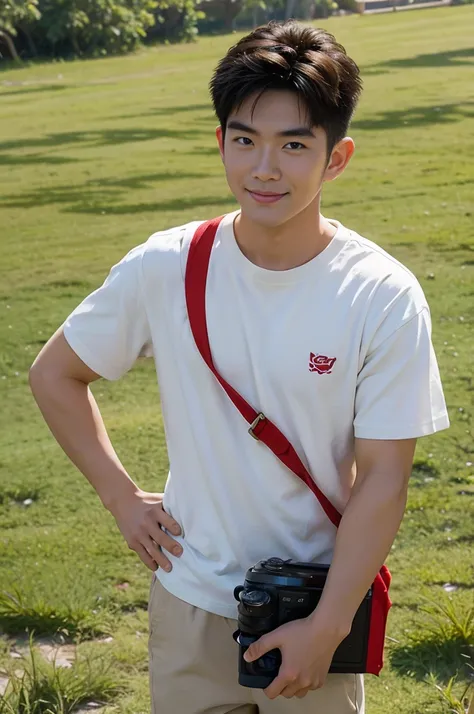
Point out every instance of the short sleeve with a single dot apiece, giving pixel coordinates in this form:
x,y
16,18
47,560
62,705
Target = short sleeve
x,y
109,330
399,393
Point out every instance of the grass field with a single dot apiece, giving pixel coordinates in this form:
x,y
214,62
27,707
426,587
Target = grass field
x,y
97,155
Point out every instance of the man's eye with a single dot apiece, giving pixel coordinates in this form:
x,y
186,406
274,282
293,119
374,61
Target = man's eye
x,y
295,145
243,140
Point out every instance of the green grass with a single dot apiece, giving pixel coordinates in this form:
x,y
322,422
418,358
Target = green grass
x,y
23,611
97,155
42,687
442,644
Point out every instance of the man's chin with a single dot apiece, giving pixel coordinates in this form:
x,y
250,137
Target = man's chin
x,y
271,215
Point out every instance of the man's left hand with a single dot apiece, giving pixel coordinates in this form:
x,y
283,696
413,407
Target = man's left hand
x,y
307,649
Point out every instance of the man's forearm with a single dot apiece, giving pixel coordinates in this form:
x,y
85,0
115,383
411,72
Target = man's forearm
x,y
364,538
71,412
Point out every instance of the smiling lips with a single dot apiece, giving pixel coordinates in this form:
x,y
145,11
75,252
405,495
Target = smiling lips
x,y
266,196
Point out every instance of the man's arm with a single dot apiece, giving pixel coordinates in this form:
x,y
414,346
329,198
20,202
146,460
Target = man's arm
x,y
368,527
60,380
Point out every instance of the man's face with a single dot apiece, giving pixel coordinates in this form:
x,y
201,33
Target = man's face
x,y
274,160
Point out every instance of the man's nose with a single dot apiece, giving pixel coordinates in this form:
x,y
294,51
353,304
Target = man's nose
x,y
266,167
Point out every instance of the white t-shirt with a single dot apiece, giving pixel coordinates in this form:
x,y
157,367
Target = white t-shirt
x,y
335,348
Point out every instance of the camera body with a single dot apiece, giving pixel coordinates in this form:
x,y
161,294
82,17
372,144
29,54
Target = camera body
x,y
277,591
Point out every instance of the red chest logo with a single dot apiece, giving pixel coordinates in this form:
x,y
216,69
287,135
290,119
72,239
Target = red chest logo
x,y
320,363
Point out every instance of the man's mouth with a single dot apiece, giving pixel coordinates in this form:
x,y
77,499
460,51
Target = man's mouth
x,y
266,196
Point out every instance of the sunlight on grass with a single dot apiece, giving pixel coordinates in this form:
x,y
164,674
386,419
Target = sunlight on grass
x,y
442,646
40,687
20,612
457,703
128,148
449,621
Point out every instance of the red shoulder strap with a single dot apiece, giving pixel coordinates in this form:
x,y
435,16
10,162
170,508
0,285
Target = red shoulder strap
x,y
261,428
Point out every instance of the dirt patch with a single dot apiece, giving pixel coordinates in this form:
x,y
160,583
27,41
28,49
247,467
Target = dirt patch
x,y
3,684
56,651
53,650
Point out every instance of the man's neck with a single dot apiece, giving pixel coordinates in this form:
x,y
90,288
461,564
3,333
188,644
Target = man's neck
x,y
290,245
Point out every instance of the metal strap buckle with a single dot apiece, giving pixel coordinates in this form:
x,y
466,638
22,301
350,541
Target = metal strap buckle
x,y
260,417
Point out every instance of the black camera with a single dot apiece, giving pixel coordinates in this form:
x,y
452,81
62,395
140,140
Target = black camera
x,y
278,591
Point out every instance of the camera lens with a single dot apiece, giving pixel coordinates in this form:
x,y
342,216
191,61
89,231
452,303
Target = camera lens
x,y
254,598
269,662
237,591
257,612
246,640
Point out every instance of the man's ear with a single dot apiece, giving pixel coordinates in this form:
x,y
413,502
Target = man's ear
x,y
340,157
220,141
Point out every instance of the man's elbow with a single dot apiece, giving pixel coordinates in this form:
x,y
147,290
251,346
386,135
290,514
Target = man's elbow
x,y
57,362
39,377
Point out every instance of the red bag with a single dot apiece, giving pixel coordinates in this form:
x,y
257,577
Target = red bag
x,y
262,429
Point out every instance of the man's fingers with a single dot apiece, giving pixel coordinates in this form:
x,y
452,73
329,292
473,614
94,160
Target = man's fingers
x,y
276,687
261,647
290,691
164,519
163,540
156,554
288,685
302,693
145,557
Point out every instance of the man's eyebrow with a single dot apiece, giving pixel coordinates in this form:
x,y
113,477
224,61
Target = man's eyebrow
x,y
296,131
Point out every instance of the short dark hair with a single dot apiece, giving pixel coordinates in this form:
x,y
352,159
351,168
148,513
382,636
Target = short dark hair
x,y
294,57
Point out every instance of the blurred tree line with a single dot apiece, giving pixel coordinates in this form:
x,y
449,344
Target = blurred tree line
x,y
78,28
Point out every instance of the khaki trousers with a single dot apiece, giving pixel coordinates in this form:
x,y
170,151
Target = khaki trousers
x,y
193,668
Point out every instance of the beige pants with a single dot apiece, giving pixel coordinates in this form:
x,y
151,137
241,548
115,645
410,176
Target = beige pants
x,y
193,668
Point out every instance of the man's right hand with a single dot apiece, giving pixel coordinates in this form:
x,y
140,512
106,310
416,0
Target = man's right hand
x,y
140,517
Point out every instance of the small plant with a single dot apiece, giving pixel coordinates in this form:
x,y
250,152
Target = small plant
x,y
450,622
456,704
424,469
442,647
19,613
43,688
20,494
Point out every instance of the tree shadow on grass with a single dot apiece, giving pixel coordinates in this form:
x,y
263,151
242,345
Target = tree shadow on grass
x,y
468,538
146,180
465,539
100,137
87,139
460,585
9,160
95,190
424,470
177,204
33,90
417,116
454,58
204,151
167,111
104,196
444,659
394,196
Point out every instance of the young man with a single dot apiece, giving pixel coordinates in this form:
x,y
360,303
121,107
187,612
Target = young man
x,y
312,324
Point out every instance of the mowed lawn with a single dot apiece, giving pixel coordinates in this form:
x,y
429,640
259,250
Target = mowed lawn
x,y
97,155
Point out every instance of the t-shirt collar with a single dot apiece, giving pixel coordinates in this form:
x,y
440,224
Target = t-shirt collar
x,y
226,237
